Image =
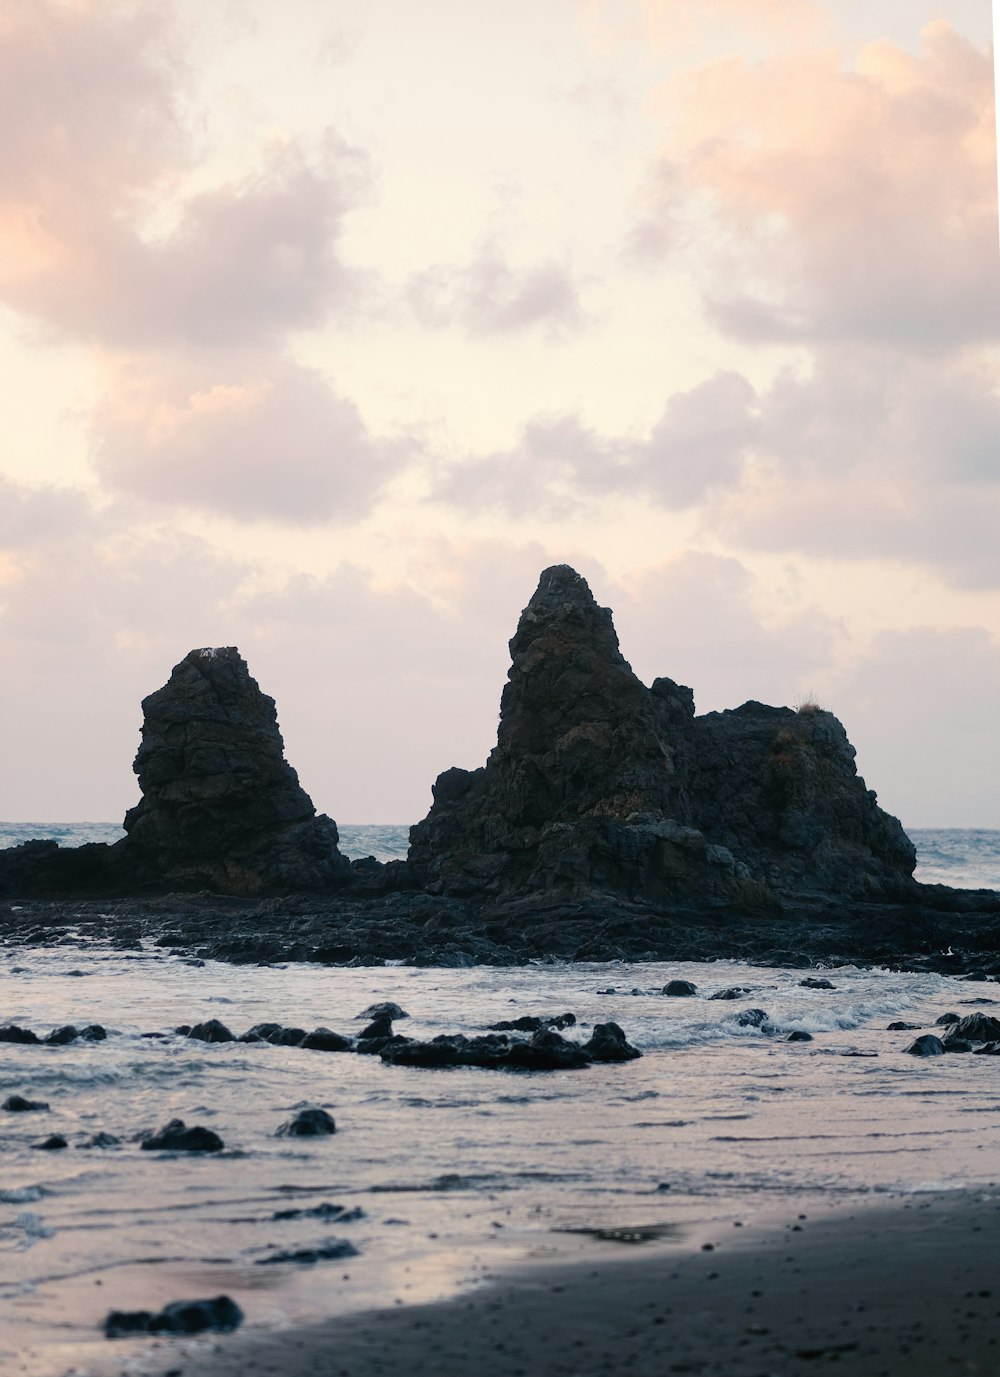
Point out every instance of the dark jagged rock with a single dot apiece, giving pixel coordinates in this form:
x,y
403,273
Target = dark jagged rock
x,y
954,1044
17,1104
55,1142
261,1032
308,1123
733,992
59,1037
338,1214
598,783
93,1032
12,1033
816,983
220,1316
900,1026
608,1043
211,1031
177,1137
799,1035
380,1027
977,1028
543,1051
102,1140
680,989
945,1019
926,1046
221,808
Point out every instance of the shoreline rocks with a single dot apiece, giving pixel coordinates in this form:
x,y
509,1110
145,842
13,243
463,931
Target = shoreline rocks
x,y
610,822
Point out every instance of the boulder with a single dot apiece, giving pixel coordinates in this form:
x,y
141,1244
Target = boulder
x,y
799,1035
307,1123
211,1031
812,982
900,1026
17,1104
221,808
175,1136
945,1019
733,992
387,1007
977,1028
53,1143
680,989
752,1018
532,1023
10,1032
323,1040
59,1037
220,1315
608,1043
926,1046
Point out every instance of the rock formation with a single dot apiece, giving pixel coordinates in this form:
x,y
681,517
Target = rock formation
x,y
221,808
597,783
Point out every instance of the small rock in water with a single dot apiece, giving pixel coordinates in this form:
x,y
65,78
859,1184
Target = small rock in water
x,y
530,1023
752,1018
978,1028
53,1143
900,1027
12,1033
380,1027
387,1008
261,1032
288,1037
60,1036
945,1019
956,1044
608,1043
177,1137
308,1123
330,1213
322,1252
680,989
323,1040
211,1031
733,992
102,1140
220,1315
93,1033
799,1035
17,1104
926,1046
816,983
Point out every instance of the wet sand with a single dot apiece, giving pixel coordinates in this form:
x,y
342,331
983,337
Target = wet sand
x,y
906,1288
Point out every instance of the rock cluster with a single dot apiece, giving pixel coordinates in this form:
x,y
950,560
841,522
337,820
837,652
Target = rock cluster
x,y
599,783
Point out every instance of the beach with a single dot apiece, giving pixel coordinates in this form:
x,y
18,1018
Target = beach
x,y
906,1288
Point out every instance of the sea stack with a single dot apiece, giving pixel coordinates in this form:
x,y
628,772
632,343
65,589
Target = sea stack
x,y
221,808
599,784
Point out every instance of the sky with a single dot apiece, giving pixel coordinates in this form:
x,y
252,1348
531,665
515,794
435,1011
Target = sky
x,y
324,328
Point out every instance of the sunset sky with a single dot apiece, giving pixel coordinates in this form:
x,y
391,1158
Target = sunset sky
x,y
325,327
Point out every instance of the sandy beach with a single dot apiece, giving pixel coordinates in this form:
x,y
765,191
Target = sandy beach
x,y
905,1288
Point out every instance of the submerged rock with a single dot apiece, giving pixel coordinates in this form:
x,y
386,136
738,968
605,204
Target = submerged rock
x,y
752,1018
211,1031
17,1104
387,1008
733,992
323,1040
53,1143
175,1136
308,1123
532,1023
608,1043
220,1315
812,982
327,1251
680,989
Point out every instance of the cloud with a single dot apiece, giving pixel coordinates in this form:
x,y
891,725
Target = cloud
x,y
254,438
33,517
849,204
489,297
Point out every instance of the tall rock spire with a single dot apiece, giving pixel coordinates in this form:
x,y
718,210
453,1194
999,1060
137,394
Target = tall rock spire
x,y
221,807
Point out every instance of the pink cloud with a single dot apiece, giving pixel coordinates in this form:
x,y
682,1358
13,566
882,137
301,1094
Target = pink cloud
x,y
859,203
489,297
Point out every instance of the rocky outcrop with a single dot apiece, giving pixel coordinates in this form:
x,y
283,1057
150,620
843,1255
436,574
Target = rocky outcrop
x,y
598,783
221,808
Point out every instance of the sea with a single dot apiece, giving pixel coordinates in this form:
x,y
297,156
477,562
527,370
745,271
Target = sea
x,y
435,1180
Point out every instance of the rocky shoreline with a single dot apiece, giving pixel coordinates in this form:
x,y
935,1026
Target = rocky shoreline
x,y
610,822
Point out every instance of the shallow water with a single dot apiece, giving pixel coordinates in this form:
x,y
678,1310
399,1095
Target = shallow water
x,y
714,1122
714,1119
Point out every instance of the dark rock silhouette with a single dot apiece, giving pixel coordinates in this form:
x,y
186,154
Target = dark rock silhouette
x,y
597,782
221,808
